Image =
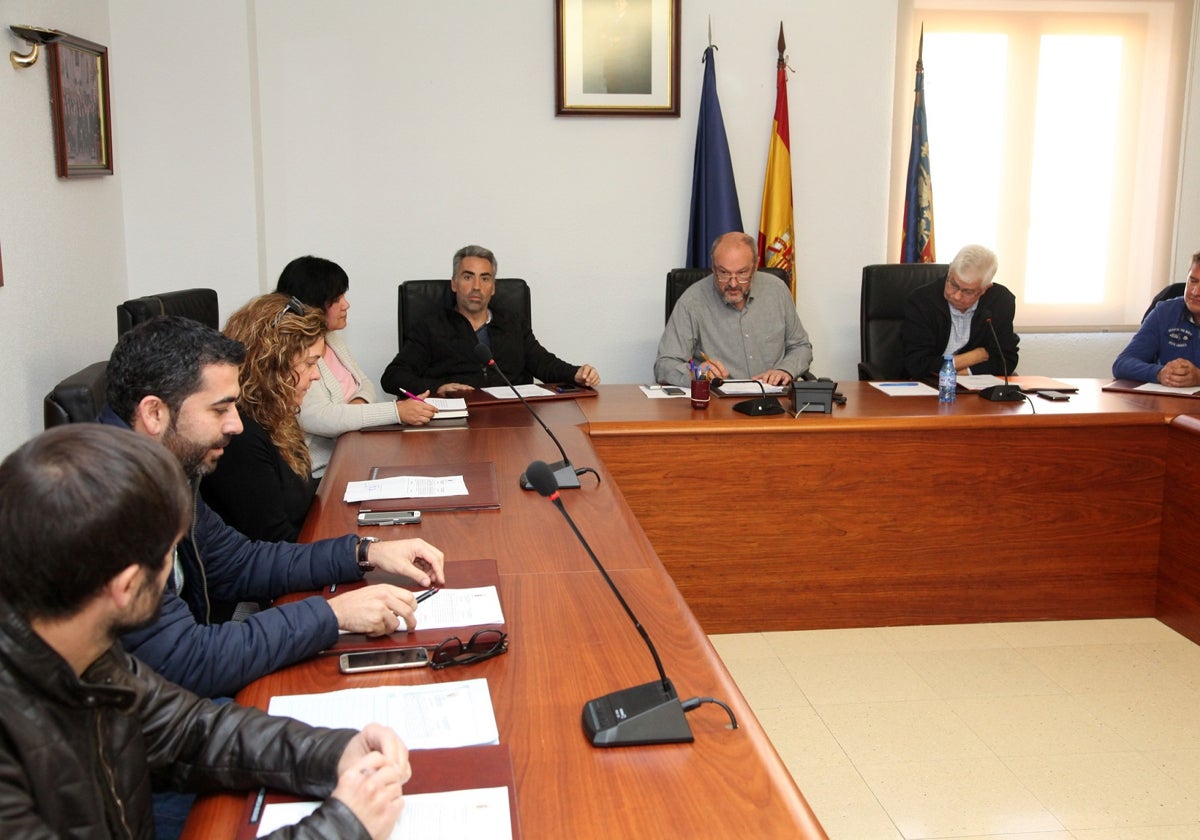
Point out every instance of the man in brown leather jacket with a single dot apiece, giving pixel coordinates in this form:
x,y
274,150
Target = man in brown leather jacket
x,y
89,515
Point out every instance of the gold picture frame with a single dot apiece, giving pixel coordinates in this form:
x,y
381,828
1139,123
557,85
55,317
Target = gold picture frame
x,y
79,102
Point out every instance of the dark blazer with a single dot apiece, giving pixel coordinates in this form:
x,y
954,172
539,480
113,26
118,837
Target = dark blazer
x,y
441,349
926,330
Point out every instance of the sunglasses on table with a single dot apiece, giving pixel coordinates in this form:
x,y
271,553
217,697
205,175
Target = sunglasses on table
x,y
483,645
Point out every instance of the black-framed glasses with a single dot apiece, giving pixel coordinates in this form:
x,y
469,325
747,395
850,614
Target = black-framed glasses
x,y
294,306
483,645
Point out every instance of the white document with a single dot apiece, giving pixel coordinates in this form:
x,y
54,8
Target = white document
x,y
447,403
480,814
905,389
664,392
979,381
405,487
503,392
460,608
450,714
1155,388
749,388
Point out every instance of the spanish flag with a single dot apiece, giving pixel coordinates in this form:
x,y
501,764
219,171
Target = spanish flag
x,y
776,230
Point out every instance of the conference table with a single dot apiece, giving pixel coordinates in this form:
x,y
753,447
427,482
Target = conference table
x,y
569,642
888,511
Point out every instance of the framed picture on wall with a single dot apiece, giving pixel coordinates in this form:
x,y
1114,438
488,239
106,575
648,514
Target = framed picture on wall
x,y
617,57
79,101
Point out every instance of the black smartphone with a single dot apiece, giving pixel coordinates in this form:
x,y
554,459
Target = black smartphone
x,y
383,660
1054,396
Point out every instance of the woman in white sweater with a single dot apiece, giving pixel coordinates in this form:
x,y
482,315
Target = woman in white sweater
x,y
344,399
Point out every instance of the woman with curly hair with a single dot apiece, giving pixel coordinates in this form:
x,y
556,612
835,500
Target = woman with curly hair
x,y
263,484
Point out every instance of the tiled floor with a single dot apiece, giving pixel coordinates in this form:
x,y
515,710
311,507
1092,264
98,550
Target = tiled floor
x,y
1058,730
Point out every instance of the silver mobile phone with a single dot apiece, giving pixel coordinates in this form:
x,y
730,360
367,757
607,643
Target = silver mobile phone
x,y
383,660
389,517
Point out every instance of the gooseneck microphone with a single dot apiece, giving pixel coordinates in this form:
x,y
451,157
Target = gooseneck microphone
x,y
1005,392
564,472
759,406
645,714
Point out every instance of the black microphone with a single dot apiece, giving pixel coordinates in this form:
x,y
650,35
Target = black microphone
x,y
1005,392
760,406
564,472
645,714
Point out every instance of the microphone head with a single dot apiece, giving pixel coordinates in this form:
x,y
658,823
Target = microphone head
x,y
542,478
484,354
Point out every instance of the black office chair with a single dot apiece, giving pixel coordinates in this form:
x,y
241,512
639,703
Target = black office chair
x,y
679,279
416,298
1173,291
197,304
885,289
78,398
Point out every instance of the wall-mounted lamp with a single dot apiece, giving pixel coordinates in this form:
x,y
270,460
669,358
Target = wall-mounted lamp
x,y
35,36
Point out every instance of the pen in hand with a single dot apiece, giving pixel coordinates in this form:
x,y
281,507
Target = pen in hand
x,y
409,394
429,593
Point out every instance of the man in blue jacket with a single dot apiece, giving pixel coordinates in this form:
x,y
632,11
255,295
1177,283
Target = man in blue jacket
x,y
176,380
1166,348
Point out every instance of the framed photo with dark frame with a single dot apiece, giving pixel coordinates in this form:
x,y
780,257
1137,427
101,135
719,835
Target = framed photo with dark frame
x,y
79,102
616,58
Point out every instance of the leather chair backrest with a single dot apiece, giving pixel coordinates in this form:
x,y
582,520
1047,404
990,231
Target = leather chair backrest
x,y
78,398
1173,291
679,279
197,304
885,289
416,298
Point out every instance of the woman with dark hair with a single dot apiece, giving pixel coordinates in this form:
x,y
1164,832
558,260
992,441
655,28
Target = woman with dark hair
x,y
344,399
263,484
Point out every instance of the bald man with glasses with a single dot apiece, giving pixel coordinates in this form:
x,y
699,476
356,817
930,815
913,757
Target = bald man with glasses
x,y
741,325
951,316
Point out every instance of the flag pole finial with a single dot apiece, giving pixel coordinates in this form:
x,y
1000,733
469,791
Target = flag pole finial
x,y
920,48
710,43
782,43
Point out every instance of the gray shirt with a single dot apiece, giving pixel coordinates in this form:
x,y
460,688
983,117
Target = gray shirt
x,y
765,334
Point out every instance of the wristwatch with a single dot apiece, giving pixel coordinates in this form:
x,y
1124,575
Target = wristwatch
x,y
364,545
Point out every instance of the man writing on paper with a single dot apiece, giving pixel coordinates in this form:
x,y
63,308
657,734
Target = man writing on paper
x,y
951,316
742,325
176,380
1166,348
439,353
88,518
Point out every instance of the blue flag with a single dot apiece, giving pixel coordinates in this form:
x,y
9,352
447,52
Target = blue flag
x,y
917,239
714,196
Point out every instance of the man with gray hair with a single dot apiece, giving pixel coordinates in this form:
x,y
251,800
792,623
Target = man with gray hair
x,y
951,316
439,353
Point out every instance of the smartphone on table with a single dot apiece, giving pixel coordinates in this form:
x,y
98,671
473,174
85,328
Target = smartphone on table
x,y
383,660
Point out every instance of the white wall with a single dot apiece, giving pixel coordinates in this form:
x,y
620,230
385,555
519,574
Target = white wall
x,y
389,134
61,240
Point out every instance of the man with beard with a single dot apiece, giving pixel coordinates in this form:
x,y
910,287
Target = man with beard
x,y
176,380
88,518
439,354
742,325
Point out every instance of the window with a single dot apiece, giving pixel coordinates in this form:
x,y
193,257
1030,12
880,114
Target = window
x,y
1053,138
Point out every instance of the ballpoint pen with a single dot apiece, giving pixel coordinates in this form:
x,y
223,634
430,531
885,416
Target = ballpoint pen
x,y
410,395
429,593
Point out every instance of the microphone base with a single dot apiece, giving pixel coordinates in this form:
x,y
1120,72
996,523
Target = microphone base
x,y
564,474
645,714
1002,393
759,407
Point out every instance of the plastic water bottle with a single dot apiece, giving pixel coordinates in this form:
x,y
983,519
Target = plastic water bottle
x,y
947,380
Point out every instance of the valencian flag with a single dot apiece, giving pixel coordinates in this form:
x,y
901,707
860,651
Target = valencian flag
x,y
776,230
917,241
714,195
